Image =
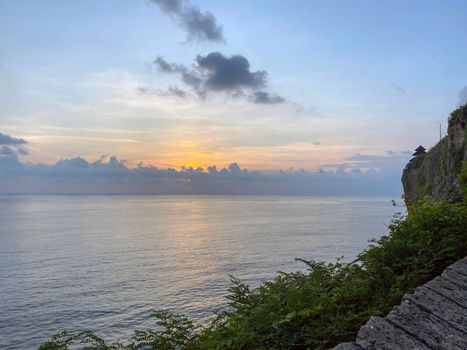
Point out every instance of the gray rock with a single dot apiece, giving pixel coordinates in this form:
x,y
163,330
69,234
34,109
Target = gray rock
x,y
448,290
426,327
378,333
434,317
439,306
348,346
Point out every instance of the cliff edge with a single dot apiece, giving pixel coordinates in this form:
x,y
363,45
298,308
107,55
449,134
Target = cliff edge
x,y
435,173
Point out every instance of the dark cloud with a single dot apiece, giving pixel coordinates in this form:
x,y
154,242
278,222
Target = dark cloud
x,y
23,151
169,6
228,73
212,169
144,90
216,73
10,140
267,98
11,147
77,162
399,88
198,25
173,91
170,91
13,151
195,81
167,67
463,96
7,151
191,78
234,168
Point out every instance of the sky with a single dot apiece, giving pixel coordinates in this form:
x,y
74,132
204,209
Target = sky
x,y
325,92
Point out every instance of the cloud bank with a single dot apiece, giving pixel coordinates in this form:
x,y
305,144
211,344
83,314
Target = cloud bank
x,y
216,73
357,175
198,25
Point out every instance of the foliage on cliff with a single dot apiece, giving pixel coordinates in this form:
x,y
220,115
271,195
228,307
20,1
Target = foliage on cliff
x,y
458,114
318,308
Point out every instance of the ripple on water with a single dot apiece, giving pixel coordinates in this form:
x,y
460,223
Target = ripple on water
x,y
103,262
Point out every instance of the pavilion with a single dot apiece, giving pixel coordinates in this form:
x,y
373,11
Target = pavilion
x,y
419,150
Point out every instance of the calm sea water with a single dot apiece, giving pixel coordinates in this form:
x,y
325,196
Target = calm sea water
x,y
103,262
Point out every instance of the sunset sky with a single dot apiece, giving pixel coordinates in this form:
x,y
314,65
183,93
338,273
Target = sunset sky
x,y
267,84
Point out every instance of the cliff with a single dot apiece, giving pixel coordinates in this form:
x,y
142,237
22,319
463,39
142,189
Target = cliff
x,y
436,172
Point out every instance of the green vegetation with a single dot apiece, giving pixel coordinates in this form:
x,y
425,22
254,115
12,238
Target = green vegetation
x,y
321,307
456,115
459,116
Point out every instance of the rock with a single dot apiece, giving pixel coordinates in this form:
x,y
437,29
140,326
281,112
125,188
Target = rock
x,y
378,333
348,346
453,292
434,317
426,327
439,306
435,173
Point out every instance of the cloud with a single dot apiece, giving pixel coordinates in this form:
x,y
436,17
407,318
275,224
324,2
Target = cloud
x,y
167,67
216,73
234,168
7,151
110,175
267,98
10,140
173,91
191,78
463,96
23,151
170,91
198,25
391,163
11,148
399,88
228,73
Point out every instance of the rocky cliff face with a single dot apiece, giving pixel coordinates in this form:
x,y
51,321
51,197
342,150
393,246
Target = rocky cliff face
x,y
435,173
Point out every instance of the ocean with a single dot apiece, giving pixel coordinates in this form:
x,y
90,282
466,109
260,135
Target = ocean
x,y
103,263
